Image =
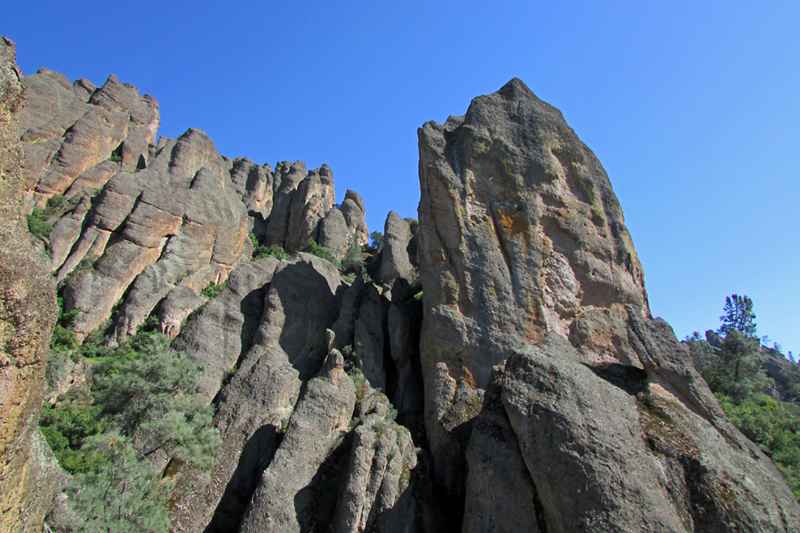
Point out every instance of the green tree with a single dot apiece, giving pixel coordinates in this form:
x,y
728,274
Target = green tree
x,y
354,259
154,398
738,373
120,493
377,240
774,425
142,397
738,315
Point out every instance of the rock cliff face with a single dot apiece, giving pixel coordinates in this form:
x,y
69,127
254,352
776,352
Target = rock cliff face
x,y
536,324
27,314
492,368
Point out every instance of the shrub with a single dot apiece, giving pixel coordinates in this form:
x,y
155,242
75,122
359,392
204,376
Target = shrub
x,y
774,425
119,492
261,250
270,251
66,428
320,251
38,225
212,290
141,389
58,362
154,396
354,260
38,218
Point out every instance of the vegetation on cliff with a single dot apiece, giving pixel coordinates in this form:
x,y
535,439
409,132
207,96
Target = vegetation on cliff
x,y
139,406
767,410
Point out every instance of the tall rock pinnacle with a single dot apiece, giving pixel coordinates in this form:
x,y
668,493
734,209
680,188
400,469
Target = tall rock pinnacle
x,y
536,318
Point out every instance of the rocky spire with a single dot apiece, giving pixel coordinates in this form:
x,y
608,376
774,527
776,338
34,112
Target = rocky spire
x,y
533,289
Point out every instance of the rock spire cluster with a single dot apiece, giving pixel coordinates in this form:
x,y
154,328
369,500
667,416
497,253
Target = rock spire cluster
x,y
493,367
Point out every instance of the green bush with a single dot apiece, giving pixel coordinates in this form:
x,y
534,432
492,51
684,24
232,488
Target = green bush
x,y
775,426
270,251
320,251
38,219
119,492
63,339
212,290
38,225
67,427
354,259
141,388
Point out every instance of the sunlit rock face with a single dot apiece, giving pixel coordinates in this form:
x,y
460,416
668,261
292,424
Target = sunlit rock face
x,y
493,367
27,315
532,287
146,218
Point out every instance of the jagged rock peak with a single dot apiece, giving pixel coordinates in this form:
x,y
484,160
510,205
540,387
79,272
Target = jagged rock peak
x,y
140,218
531,283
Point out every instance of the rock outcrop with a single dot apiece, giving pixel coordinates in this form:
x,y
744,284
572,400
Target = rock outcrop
x,y
531,281
27,315
141,219
491,368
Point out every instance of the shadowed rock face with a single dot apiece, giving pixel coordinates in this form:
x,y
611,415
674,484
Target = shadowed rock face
x,y
494,367
531,282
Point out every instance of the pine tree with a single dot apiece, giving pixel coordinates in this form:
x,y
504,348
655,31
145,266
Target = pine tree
x,y
738,315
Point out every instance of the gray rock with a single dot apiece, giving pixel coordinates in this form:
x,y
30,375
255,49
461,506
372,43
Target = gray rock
x,y
376,494
222,330
312,200
499,493
403,322
288,177
395,261
581,440
525,263
179,221
288,348
355,214
253,183
370,342
334,233
318,423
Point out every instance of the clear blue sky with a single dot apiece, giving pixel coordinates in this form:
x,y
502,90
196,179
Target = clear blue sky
x,y
693,109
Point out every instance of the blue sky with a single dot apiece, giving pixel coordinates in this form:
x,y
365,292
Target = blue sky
x,y
693,109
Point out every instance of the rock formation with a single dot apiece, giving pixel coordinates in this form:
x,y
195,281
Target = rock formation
x,y
492,368
27,315
531,282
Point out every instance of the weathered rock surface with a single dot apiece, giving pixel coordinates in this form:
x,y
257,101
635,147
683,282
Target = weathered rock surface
x,y
528,270
493,368
68,134
376,494
298,304
146,219
396,260
319,421
27,315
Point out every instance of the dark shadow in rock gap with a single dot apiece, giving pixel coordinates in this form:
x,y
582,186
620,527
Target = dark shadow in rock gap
x,y
252,308
315,504
256,456
631,379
